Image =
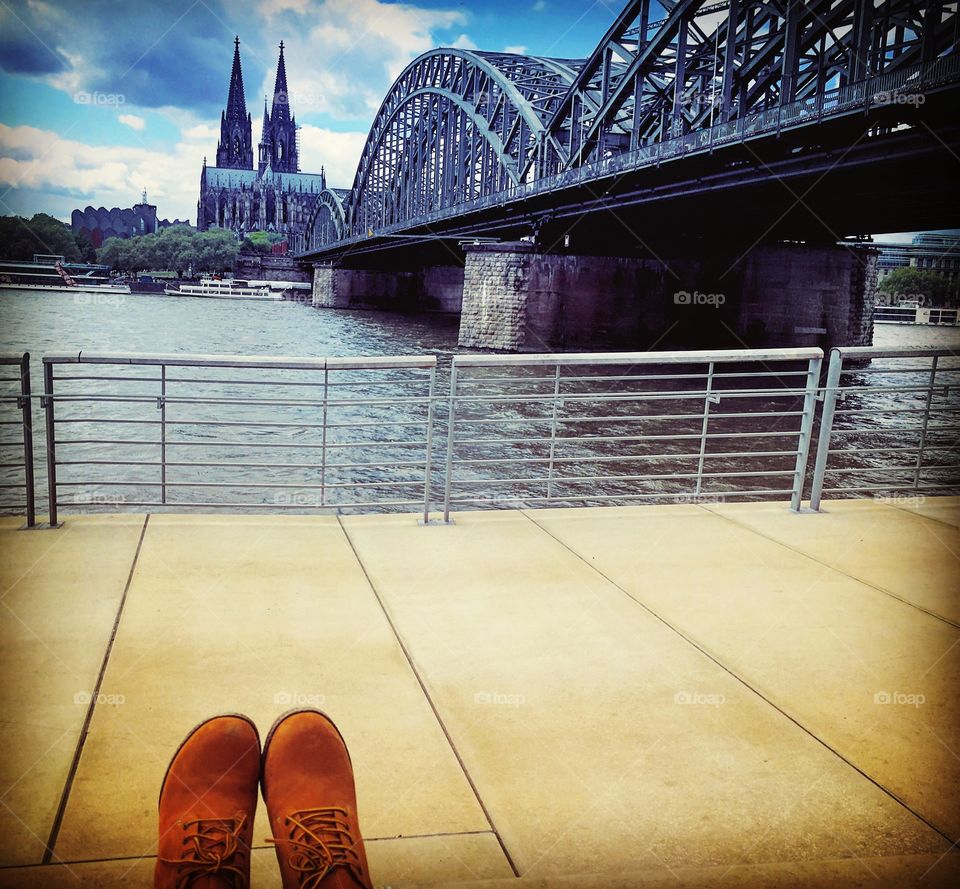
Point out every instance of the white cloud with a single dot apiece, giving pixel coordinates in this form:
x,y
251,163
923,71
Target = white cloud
x,y
464,42
338,153
134,121
343,55
539,6
32,158
519,49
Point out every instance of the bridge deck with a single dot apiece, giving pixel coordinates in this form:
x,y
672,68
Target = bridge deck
x,y
661,695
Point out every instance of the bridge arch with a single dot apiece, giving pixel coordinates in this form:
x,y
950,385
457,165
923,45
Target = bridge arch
x,y
456,125
327,222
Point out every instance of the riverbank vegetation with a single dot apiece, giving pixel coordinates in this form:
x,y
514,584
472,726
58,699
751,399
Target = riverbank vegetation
x,y
177,248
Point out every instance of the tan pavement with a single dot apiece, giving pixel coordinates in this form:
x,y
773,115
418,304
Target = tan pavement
x,y
658,695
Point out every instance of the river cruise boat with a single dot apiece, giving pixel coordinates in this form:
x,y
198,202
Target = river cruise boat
x,y
52,273
213,288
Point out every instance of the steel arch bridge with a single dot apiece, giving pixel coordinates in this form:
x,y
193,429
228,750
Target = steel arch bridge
x,y
460,129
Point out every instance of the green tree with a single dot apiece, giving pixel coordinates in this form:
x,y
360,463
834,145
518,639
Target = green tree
x,y
20,238
260,242
923,285
176,249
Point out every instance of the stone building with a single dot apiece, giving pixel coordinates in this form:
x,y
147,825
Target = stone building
x,y
272,196
99,223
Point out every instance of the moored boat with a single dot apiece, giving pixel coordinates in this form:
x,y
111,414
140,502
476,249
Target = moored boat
x,y
212,288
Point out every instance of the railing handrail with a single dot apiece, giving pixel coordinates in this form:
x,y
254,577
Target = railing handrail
x,y
14,357
881,352
250,361
634,358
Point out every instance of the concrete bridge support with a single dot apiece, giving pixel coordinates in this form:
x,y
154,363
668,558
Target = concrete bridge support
x,y
519,300
437,288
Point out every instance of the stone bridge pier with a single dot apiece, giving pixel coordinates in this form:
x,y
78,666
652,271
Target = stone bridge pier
x,y
512,297
776,296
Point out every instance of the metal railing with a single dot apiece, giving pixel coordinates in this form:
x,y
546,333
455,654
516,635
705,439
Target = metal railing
x,y
287,433
916,315
889,423
16,414
642,425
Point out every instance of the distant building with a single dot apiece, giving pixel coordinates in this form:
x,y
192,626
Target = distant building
x,y
928,251
100,224
271,196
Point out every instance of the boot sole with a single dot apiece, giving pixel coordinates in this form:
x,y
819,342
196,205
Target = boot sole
x,y
276,725
192,732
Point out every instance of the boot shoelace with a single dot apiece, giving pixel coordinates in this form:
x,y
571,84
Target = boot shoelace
x,y
212,845
320,840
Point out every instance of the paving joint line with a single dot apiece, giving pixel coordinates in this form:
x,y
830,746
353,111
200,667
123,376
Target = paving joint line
x,y
691,641
429,698
813,558
94,695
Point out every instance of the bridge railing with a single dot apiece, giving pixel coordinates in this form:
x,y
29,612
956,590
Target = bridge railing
x,y
916,315
596,429
889,424
16,439
271,433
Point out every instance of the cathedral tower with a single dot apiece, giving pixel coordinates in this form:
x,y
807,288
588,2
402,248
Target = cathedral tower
x,y
235,149
278,145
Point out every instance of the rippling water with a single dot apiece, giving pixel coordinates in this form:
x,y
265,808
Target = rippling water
x,y
364,435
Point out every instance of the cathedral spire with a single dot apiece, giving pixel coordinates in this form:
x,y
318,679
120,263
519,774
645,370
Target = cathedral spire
x,y
235,150
280,111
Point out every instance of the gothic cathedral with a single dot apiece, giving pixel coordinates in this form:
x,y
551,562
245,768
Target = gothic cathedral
x,y
271,196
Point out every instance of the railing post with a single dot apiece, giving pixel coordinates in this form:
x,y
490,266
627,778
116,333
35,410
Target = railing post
x,y
51,443
163,433
707,398
926,421
323,439
553,431
806,431
428,463
451,422
26,410
826,425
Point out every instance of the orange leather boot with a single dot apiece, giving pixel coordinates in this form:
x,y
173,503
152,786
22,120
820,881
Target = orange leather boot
x,y
307,784
207,802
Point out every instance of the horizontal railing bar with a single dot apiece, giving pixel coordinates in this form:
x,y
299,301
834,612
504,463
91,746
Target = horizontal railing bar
x,y
934,408
878,352
910,490
612,478
242,504
272,402
677,395
861,431
239,465
920,369
618,458
688,496
604,378
243,361
913,468
242,444
906,450
88,483
638,358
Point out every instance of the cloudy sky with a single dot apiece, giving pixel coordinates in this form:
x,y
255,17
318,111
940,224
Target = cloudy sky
x,y
102,98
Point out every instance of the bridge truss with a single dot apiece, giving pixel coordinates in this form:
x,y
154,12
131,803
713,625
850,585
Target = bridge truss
x,y
458,127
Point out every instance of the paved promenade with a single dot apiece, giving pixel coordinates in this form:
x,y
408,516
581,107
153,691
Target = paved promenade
x,y
683,695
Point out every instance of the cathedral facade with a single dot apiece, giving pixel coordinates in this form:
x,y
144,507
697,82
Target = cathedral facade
x,y
271,195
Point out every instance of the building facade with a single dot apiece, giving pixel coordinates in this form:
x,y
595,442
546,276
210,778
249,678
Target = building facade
x,y
928,251
273,195
99,223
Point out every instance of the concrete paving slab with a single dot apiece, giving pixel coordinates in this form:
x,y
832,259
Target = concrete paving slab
x,y
599,739
59,590
897,550
257,615
943,509
873,677
396,862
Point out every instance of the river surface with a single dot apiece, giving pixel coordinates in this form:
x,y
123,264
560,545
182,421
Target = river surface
x,y
278,447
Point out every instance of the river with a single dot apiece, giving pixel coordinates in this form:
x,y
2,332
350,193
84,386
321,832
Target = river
x,y
65,322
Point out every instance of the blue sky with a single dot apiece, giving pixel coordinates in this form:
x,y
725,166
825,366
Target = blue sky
x,y
100,98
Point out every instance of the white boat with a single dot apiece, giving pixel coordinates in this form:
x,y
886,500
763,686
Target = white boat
x,y
52,273
211,288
